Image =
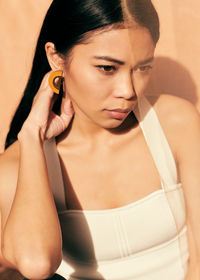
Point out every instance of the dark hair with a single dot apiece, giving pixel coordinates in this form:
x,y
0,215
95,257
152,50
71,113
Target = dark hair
x,y
65,25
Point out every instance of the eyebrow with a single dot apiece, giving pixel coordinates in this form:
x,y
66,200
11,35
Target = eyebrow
x,y
148,60
111,59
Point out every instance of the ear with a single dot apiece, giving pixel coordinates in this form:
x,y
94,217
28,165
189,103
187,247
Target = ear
x,y
54,59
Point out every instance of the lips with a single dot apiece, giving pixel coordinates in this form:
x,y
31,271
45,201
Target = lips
x,y
120,110
118,113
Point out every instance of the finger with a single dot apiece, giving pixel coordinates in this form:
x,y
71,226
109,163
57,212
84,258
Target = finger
x,y
44,101
43,86
45,80
67,114
45,95
57,124
68,107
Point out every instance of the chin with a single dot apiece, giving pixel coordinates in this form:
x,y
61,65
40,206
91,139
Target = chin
x,y
111,124
120,124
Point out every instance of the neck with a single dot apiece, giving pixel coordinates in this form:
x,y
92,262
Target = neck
x,y
84,129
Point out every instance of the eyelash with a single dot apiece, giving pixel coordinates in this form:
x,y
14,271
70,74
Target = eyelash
x,y
110,69
144,68
104,68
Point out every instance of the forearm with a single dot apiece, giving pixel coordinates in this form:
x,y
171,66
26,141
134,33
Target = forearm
x,y
31,236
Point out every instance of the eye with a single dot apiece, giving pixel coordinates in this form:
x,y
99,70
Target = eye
x,y
144,68
107,69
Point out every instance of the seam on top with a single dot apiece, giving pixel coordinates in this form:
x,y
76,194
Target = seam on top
x,y
122,237
152,195
136,255
118,235
123,228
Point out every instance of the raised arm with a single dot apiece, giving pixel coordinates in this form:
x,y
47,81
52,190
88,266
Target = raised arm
x,y
31,235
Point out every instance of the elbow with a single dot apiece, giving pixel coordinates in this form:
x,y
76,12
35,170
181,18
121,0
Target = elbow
x,y
39,261
38,267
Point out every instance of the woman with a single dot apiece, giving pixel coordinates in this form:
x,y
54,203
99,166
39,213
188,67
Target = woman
x,y
91,157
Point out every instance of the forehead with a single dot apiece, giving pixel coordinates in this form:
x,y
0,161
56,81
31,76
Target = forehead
x,y
124,44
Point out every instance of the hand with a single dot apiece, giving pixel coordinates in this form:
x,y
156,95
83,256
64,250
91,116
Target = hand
x,y
41,119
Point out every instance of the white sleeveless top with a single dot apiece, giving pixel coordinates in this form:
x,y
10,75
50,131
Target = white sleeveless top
x,y
144,240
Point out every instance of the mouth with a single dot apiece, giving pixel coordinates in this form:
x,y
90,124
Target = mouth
x,y
118,113
121,110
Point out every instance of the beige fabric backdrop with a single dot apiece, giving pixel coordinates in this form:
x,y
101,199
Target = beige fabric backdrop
x,y
177,64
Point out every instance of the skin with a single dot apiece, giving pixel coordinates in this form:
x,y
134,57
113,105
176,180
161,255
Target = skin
x,y
97,85
93,88
94,85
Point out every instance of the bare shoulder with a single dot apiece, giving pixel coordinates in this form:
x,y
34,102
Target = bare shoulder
x,y
174,111
180,121
9,163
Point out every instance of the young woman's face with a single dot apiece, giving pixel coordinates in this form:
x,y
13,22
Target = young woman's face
x,y
106,75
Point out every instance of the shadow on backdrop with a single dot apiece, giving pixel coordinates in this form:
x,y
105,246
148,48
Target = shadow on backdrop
x,y
171,77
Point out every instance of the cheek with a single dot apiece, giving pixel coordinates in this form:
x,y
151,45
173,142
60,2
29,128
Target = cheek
x,y
86,84
140,82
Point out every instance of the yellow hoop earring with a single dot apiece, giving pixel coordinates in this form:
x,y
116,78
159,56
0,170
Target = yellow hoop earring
x,y
55,86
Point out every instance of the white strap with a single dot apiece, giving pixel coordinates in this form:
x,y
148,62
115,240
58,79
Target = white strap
x,y
157,143
55,173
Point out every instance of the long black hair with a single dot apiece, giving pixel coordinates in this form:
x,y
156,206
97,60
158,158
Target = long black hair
x,y
65,25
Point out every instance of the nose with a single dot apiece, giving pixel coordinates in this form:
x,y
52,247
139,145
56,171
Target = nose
x,y
124,87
